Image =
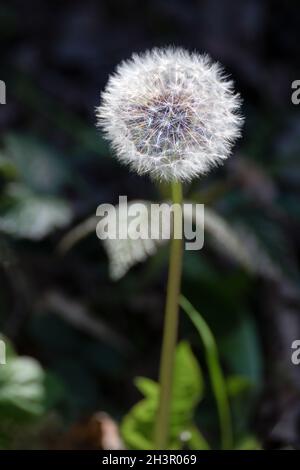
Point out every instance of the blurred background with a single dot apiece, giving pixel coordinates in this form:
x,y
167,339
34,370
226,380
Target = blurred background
x,y
75,339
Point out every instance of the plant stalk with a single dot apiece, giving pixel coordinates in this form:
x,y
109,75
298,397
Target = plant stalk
x,y
215,371
162,424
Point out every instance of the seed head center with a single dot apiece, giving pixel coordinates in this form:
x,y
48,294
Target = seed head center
x,y
162,124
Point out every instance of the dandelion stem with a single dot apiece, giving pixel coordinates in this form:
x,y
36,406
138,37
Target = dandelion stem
x,y
170,323
215,371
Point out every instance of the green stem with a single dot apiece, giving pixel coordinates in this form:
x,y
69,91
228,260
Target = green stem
x,y
170,324
216,375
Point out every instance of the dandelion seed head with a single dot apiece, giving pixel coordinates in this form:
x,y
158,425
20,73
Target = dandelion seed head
x,y
170,113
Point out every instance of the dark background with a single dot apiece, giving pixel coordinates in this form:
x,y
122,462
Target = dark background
x,y
55,59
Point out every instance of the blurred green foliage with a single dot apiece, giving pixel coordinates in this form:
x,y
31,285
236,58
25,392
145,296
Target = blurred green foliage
x,y
27,393
138,425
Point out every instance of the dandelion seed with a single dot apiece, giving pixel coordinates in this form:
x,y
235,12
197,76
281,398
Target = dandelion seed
x,y
170,113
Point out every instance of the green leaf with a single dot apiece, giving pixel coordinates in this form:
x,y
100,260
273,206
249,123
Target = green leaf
x,y
32,216
22,392
27,393
147,387
26,390
125,253
138,426
37,165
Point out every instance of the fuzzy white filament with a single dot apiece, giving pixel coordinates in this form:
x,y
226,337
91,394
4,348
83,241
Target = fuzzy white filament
x,y
170,113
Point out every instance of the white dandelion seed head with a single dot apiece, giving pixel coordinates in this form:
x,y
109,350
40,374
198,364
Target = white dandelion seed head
x,y
170,113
